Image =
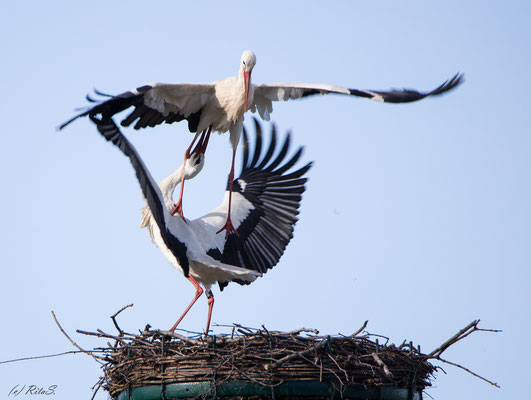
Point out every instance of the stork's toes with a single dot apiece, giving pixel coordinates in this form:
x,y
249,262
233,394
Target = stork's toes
x,y
228,228
178,209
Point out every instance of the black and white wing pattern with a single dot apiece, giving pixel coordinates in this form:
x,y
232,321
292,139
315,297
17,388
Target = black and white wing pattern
x,y
153,104
110,131
265,204
265,94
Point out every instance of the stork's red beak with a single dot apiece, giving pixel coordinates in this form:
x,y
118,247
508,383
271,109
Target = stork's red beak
x,y
202,143
246,79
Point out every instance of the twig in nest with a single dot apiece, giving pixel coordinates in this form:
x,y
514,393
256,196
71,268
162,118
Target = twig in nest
x,y
297,331
380,336
360,330
100,383
266,331
469,371
244,328
97,358
467,330
463,333
382,365
339,367
299,354
113,317
173,335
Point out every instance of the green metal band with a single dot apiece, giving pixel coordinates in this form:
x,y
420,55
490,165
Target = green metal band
x,y
244,388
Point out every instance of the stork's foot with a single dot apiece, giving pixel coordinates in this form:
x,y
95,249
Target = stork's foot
x,y
178,209
228,228
210,306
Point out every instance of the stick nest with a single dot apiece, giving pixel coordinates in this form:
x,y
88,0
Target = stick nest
x,y
261,356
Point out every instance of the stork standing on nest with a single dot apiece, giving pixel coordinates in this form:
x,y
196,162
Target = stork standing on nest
x,y
220,105
265,208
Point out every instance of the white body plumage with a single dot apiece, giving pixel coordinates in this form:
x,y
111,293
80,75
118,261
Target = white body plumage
x,y
199,234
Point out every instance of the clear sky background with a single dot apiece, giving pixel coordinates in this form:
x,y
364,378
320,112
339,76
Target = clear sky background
x,y
416,217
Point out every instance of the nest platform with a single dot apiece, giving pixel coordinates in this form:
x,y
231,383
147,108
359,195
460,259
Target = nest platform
x,y
261,364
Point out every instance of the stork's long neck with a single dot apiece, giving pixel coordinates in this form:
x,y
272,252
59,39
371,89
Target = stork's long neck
x,y
240,85
168,185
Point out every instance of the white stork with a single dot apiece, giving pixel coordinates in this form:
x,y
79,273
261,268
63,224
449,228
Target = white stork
x,y
265,208
220,105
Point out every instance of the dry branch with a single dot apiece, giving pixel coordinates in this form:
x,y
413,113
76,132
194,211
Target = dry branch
x,y
113,317
467,330
97,358
463,333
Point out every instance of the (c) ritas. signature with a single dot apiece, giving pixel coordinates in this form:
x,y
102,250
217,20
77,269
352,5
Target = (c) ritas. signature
x,y
32,389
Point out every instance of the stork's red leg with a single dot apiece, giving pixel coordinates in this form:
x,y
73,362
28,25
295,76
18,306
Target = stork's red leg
x,y
210,306
198,293
179,206
228,227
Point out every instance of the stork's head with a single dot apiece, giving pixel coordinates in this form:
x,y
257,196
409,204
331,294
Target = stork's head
x,y
248,61
247,65
194,165
196,159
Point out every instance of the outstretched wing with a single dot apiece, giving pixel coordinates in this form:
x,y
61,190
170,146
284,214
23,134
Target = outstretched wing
x,y
153,105
265,205
150,189
264,95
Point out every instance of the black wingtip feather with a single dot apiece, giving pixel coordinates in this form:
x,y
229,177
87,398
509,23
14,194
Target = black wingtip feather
x,y
102,94
281,155
272,145
409,95
291,162
257,145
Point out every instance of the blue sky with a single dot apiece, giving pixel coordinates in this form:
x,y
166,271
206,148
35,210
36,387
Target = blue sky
x,y
416,217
